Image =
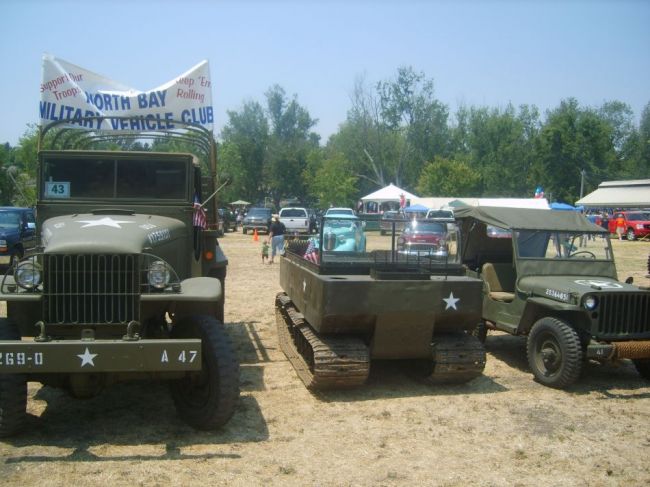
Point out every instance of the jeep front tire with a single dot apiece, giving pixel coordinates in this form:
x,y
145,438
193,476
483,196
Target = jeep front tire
x,y
554,353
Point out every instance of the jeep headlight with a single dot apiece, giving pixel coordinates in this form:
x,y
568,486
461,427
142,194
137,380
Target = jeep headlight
x,y
590,302
28,275
159,274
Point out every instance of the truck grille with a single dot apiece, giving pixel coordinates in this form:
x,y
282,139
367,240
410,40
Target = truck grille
x,y
90,289
624,314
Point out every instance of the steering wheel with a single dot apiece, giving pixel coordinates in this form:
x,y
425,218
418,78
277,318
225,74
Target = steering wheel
x,y
590,254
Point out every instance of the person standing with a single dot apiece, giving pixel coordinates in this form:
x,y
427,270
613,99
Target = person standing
x,y
276,235
620,226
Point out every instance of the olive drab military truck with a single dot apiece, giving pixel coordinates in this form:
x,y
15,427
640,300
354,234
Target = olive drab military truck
x,y
550,275
128,280
345,303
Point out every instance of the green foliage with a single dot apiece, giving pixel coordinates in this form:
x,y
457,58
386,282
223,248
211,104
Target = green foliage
x,y
447,177
395,131
499,144
574,139
330,181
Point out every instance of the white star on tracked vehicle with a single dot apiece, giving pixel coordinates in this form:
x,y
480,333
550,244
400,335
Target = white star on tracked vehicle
x,y
87,358
451,301
107,221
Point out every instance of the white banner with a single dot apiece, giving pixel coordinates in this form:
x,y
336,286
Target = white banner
x,y
69,92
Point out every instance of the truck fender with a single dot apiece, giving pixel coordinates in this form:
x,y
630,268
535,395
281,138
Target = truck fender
x,y
200,295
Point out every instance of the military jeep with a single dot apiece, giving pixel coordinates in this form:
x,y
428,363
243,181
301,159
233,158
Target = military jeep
x,y
127,281
550,275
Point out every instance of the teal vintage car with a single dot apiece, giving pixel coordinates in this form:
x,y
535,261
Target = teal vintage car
x,y
343,233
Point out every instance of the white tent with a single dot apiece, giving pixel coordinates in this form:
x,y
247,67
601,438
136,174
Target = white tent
x,y
385,198
539,203
634,193
433,203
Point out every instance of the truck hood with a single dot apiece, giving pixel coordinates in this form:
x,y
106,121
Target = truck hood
x,y
11,235
560,288
97,234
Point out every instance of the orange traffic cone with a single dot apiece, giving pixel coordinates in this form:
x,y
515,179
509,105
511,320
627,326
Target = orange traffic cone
x,y
255,236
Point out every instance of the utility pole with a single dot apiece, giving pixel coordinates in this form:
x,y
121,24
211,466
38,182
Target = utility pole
x,y
582,182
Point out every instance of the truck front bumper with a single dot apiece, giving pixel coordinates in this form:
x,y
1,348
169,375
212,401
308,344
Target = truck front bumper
x,y
93,356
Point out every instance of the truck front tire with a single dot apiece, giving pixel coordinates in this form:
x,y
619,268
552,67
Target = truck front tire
x,y
554,353
206,400
13,390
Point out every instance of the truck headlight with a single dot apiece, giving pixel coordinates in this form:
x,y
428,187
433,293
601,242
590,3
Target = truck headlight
x,y
28,275
590,303
159,274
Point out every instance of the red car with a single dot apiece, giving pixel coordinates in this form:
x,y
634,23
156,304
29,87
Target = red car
x,y
637,223
421,237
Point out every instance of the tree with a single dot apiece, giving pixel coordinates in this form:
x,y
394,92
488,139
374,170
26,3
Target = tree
x,y
409,107
243,152
289,144
446,177
330,180
500,146
573,139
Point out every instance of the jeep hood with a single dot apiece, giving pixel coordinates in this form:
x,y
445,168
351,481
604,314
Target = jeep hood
x,y
560,287
97,234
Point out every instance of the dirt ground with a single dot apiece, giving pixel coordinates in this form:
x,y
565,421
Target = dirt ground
x,y
500,429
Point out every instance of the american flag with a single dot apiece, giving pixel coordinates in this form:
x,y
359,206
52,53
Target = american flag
x,y
199,220
311,254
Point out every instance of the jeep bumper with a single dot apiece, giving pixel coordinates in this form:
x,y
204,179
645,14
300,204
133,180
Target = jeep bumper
x,y
92,356
619,350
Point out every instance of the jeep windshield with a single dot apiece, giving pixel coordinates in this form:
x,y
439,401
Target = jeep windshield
x,y
545,244
109,178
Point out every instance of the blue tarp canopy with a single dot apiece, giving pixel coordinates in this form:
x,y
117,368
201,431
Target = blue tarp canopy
x,y
415,208
562,206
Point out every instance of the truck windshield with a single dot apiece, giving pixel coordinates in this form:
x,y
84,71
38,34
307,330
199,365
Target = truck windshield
x,y
78,178
544,244
9,219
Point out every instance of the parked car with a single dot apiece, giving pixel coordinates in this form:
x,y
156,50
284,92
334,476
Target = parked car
x,y
295,220
257,218
446,215
17,233
637,223
339,211
390,218
343,233
422,237
229,220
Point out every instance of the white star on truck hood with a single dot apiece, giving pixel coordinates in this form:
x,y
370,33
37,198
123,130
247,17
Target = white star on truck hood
x,y
451,301
107,221
87,358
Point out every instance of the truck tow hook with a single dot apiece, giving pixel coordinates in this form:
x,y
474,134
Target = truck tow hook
x,y
132,330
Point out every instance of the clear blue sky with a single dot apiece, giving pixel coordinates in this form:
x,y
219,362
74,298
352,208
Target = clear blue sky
x,y
478,53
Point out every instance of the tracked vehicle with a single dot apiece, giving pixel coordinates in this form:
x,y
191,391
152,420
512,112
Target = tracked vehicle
x,y
348,300
127,281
